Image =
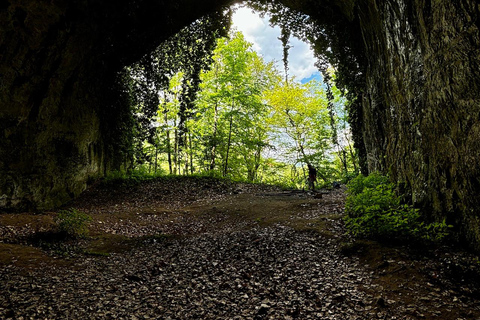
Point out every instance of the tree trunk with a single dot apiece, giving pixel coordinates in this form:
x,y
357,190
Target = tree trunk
x,y
225,169
176,157
191,152
214,138
156,157
215,125
169,148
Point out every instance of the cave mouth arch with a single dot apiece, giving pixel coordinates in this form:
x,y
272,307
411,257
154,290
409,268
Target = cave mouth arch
x,y
417,106
63,116
194,44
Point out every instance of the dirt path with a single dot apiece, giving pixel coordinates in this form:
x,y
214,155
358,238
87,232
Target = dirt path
x,y
206,249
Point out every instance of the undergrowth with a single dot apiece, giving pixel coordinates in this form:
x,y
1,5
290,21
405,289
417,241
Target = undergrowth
x,y
375,211
120,178
72,223
134,177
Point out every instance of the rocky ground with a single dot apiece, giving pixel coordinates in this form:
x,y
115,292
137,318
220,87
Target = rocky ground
x,y
206,249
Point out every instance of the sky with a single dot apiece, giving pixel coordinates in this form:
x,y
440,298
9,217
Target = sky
x,y
265,41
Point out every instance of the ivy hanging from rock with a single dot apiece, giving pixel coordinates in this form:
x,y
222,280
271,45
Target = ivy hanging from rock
x,y
333,32
190,52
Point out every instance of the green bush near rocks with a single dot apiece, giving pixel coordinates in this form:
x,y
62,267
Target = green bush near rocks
x,y
374,210
72,223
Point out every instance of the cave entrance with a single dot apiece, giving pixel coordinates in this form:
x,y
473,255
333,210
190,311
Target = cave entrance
x,y
206,102
65,122
414,97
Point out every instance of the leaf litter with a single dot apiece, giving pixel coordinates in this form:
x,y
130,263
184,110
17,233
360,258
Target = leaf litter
x,y
210,249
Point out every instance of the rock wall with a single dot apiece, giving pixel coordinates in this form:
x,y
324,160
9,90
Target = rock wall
x,y
49,131
60,124
422,103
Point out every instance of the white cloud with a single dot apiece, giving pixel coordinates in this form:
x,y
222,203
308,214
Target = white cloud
x,y
301,59
265,41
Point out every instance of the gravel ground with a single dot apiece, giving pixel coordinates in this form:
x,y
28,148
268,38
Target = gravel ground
x,y
270,273
232,253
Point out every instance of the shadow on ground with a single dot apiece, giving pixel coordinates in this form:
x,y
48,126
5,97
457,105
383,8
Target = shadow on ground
x,y
210,249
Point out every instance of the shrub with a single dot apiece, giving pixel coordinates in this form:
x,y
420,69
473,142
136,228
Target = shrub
x,y
360,183
348,176
374,211
73,223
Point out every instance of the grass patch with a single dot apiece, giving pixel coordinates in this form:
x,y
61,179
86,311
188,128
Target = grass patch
x,y
96,253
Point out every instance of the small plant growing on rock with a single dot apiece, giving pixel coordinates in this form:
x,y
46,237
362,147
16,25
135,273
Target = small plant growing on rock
x,y
73,223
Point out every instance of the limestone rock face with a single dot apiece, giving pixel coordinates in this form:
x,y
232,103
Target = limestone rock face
x,y
422,104
58,104
61,125
49,129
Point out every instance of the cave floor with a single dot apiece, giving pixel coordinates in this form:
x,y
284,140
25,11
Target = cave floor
x,y
191,248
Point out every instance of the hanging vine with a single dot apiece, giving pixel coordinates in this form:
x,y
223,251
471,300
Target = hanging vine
x,y
334,34
190,52
327,78
285,38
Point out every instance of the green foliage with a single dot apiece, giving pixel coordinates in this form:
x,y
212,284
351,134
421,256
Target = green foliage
x,y
198,104
374,211
188,53
360,183
73,223
346,177
232,124
232,116
300,117
133,177
123,179
336,40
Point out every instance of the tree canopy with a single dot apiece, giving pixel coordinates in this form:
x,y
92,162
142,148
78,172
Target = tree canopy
x,y
206,103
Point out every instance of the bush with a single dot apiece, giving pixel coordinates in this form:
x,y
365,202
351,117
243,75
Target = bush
x,y
374,211
348,176
73,223
360,183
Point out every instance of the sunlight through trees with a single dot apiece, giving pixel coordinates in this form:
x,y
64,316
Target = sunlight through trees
x,y
229,113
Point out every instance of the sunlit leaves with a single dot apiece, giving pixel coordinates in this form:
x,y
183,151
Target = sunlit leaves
x,y
170,76
234,113
300,110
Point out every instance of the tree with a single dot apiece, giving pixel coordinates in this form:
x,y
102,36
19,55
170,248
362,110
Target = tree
x,y
231,100
188,52
341,132
300,111
218,112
